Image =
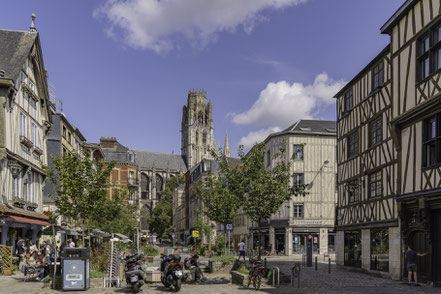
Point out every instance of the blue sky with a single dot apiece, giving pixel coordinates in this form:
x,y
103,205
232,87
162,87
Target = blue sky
x,y
123,68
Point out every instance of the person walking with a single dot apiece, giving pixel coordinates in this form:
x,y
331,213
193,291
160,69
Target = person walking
x,y
242,250
411,257
21,250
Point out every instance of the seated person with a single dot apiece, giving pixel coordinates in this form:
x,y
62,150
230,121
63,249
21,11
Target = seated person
x,y
36,262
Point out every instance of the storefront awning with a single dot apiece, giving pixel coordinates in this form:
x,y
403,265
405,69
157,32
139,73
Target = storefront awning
x,y
26,220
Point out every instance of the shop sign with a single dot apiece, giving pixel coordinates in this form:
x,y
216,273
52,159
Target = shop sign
x,y
307,222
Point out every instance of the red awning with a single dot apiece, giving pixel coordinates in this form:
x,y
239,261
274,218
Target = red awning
x,y
27,220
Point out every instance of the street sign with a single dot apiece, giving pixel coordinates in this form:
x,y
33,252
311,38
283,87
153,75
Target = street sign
x,y
229,227
195,234
154,234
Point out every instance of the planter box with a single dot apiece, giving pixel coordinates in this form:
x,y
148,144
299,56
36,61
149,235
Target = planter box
x,y
239,279
220,266
150,259
153,274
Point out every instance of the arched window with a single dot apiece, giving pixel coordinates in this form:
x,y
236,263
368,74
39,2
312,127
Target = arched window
x,y
204,138
200,117
197,137
159,183
206,116
145,182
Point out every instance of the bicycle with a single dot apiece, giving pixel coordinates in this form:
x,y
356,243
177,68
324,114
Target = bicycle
x,y
256,274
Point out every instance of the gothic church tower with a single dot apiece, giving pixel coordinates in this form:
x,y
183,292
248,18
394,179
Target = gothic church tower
x,y
196,128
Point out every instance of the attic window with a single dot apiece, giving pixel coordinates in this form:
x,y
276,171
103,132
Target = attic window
x,y
305,129
331,130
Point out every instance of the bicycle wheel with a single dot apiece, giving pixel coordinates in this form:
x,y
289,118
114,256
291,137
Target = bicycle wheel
x,y
249,281
257,282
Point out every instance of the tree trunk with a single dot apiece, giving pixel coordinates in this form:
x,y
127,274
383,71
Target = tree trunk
x,y
260,240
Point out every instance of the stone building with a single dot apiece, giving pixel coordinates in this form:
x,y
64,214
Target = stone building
x,y
311,147
124,176
197,128
24,123
63,138
389,146
155,169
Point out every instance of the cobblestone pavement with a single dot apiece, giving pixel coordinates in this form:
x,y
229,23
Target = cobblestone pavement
x,y
339,281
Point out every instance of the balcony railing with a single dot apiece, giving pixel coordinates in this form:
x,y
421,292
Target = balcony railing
x,y
132,182
31,93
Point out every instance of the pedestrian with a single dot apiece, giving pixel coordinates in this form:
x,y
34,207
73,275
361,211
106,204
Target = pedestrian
x,y
21,250
32,247
359,251
411,257
242,250
71,243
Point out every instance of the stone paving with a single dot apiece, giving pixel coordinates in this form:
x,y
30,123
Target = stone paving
x,y
339,281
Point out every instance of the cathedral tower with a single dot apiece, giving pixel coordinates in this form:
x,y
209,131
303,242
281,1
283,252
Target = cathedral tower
x,y
196,128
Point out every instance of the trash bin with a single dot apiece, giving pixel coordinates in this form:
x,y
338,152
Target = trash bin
x,y
75,269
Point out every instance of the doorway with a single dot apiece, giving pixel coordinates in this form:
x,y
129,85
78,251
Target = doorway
x,y
280,243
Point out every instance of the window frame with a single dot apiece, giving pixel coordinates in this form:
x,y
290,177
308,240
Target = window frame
x,y
377,76
298,213
301,176
354,196
431,54
357,144
23,125
436,141
348,94
373,179
374,126
296,152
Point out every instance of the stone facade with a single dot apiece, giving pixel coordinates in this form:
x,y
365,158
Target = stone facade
x,y
197,128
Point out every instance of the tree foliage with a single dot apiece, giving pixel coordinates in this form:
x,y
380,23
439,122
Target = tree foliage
x,y
81,187
161,220
220,203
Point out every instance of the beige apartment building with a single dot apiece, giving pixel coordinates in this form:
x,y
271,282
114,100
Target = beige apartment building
x,y
311,147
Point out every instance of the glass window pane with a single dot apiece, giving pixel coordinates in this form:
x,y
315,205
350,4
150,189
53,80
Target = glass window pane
x,y
426,67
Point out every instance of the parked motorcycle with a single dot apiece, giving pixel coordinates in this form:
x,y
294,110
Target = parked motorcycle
x,y
192,271
133,272
171,271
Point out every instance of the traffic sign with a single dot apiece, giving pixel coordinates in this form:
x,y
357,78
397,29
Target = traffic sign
x,y
229,227
195,234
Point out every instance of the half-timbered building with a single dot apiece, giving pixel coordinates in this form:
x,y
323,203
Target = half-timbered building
x,y
389,150
415,48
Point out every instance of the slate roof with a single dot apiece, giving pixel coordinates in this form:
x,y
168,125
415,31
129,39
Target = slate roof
x,y
112,155
310,127
147,159
233,162
14,49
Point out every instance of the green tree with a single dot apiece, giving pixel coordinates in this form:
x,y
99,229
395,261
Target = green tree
x,y
204,229
117,216
264,190
161,220
220,202
81,185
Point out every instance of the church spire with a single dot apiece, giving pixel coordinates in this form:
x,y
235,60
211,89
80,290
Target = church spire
x,y
226,147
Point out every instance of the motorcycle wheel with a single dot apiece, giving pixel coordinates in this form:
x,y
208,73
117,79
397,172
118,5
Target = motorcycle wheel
x,y
164,282
258,282
136,288
177,285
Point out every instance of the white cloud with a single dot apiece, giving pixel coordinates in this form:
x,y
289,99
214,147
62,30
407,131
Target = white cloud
x,y
281,103
257,136
154,24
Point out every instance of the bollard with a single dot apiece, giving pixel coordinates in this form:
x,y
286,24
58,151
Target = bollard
x,y
316,263
278,276
295,273
329,266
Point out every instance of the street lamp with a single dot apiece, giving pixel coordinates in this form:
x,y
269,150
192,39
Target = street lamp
x,y
309,186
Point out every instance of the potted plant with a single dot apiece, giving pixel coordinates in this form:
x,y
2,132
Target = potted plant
x,y
32,206
18,202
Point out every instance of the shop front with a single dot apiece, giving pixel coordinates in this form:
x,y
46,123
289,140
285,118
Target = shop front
x,y
17,223
301,238
352,248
